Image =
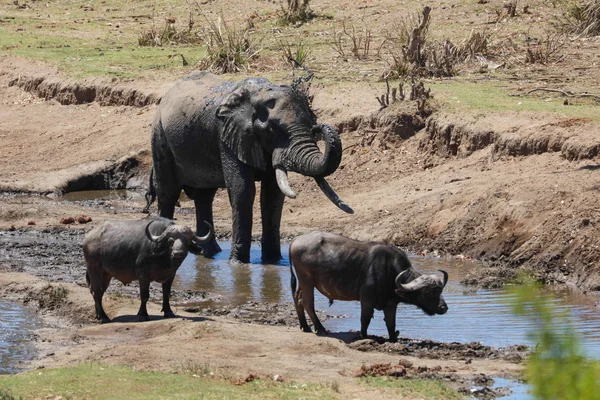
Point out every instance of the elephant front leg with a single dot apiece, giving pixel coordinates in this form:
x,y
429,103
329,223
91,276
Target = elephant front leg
x,y
241,189
203,200
271,205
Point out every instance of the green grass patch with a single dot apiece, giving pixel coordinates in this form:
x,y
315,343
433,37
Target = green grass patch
x,y
80,57
414,388
487,96
101,382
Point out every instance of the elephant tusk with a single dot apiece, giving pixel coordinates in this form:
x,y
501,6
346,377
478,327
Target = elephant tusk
x,y
332,196
282,182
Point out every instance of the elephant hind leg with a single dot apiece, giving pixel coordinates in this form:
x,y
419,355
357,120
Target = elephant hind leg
x,y
166,184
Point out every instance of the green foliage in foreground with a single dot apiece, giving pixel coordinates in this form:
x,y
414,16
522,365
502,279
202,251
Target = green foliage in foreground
x,y
101,382
556,369
414,388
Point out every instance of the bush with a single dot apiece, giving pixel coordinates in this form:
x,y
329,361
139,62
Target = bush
x,y
556,369
296,13
580,17
169,35
228,49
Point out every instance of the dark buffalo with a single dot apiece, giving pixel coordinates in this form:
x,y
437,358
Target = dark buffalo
x,y
144,250
379,275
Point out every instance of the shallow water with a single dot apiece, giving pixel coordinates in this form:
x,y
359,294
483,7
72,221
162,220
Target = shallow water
x,y
474,315
16,324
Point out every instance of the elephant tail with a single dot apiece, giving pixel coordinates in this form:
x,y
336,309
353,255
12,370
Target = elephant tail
x,y
151,193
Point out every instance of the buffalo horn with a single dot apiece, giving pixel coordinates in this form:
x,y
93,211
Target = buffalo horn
x,y
156,239
332,195
399,279
282,182
411,286
445,277
204,239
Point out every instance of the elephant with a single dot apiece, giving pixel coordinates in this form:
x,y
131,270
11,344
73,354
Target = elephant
x,y
210,133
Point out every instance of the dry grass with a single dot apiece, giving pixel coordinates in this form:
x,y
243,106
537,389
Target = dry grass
x,y
228,49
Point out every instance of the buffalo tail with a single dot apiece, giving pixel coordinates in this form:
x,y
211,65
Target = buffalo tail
x,y
293,281
151,193
87,278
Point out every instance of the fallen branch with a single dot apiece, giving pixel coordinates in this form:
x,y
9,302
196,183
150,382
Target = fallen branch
x,y
564,93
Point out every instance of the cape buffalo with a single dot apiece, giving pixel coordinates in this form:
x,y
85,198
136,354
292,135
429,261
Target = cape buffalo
x,y
378,274
144,250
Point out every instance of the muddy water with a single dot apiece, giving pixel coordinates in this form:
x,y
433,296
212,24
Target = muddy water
x,y
16,347
474,315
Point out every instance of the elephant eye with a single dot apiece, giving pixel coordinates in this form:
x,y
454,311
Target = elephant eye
x,y
270,103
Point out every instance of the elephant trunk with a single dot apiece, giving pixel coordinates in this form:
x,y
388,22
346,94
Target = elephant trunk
x,y
304,157
307,159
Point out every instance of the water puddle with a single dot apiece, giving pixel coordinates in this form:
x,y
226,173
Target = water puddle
x,y
483,316
16,346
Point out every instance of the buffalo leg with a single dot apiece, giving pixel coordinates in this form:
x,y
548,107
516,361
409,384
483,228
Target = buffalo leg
x,y
300,310
308,301
166,308
144,296
96,281
203,200
389,316
366,314
271,205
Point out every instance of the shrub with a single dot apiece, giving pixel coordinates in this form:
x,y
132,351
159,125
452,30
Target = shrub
x,y
580,17
295,54
556,369
359,41
169,35
228,49
296,13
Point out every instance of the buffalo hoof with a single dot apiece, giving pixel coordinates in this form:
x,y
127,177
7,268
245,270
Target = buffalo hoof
x,y
322,332
170,314
306,329
104,320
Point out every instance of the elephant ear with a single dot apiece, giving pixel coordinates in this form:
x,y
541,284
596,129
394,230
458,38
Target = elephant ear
x,y
236,111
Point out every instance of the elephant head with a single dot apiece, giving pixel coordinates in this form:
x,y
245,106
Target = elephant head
x,y
268,125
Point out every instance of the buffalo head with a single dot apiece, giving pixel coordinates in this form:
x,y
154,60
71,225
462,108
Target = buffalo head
x,y
177,240
425,291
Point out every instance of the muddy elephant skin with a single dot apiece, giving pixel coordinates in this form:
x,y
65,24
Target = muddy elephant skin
x,y
147,250
378,275
209,133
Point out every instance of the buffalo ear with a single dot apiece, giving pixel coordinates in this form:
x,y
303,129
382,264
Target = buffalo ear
x,y
237,112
